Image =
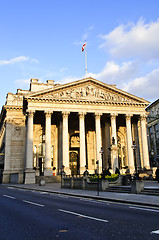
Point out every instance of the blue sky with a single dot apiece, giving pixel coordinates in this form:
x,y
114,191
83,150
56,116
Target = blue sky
x,y
43,39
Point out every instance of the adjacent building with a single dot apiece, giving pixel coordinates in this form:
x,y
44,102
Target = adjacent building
x,y
78,125
153,132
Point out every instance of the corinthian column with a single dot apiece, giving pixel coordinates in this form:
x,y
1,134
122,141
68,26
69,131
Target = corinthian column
x,y
65,141
98,139
129,143
82,142
113,127
29,172
48,169
114,148
146,162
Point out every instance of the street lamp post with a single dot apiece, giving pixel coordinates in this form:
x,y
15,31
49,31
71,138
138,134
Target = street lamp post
x,y
152,157
97,162
135,163
102,152
62,173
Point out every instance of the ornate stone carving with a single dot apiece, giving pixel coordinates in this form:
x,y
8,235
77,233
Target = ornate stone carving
x,y
88,92
18,121
17,131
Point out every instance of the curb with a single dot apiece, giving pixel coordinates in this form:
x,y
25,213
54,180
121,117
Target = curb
x,y
87,196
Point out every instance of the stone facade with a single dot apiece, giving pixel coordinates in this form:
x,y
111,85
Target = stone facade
x,y
53,126
153,132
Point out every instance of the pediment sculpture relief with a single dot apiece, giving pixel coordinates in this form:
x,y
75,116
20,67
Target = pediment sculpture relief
x,y
88,92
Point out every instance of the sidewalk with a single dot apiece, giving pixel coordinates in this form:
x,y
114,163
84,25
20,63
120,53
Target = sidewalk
x,y
139,199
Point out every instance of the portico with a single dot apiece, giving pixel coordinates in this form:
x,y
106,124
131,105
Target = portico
x,y
66,125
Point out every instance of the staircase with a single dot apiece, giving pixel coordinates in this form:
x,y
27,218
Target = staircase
x,y
152,191
120,189
127,189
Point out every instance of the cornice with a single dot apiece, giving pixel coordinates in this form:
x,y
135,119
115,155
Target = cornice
x,y
12,108
78,101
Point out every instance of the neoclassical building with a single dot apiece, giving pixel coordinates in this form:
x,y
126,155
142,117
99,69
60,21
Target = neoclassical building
x,y
85,123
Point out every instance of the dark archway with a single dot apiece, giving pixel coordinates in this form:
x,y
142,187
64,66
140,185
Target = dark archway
x,y
74,154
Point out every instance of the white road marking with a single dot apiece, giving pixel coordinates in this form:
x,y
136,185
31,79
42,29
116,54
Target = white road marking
x,y
62,196
85,200
58,195
9,196
84,216
37,204
145,209
92,201
10,187
43,193
156,232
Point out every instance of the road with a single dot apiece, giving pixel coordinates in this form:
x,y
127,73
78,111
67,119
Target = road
x,y
31,215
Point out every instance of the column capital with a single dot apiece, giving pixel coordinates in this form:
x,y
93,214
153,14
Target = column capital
x,y
30,113
113,115
65,113
82,114
128,116
143,117
48,113
98,114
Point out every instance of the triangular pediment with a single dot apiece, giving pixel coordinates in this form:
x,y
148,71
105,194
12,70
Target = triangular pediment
x,y
88,89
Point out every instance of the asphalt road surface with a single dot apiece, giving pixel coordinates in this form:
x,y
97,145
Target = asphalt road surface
x,y
31,215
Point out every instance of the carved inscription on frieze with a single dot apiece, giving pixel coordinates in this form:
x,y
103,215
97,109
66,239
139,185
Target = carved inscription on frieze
x,y
88,93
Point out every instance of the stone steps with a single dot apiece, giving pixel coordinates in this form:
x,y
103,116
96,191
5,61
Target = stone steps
x,y
120,189
146,191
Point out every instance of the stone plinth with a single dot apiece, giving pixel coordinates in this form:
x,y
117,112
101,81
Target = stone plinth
x,y
29,176
137,186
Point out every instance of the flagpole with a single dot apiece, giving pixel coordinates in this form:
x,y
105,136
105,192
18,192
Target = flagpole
x,y
86,57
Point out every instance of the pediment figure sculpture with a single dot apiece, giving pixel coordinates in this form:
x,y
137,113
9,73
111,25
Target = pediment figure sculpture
x,y
88,89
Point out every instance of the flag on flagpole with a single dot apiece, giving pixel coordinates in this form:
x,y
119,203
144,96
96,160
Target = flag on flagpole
x,y
83,47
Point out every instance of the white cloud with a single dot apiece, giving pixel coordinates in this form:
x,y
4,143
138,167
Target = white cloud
x,y
14,60
126,77
138,40
145,86
116,73
18,59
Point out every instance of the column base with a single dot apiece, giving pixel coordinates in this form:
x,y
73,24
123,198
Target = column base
x,y
6,176
48,172
29,176
114,157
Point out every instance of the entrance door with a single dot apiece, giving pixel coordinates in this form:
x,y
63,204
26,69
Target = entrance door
x,y
74,163
41,166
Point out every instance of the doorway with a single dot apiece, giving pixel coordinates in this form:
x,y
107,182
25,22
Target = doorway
x,y
41,166
74,162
